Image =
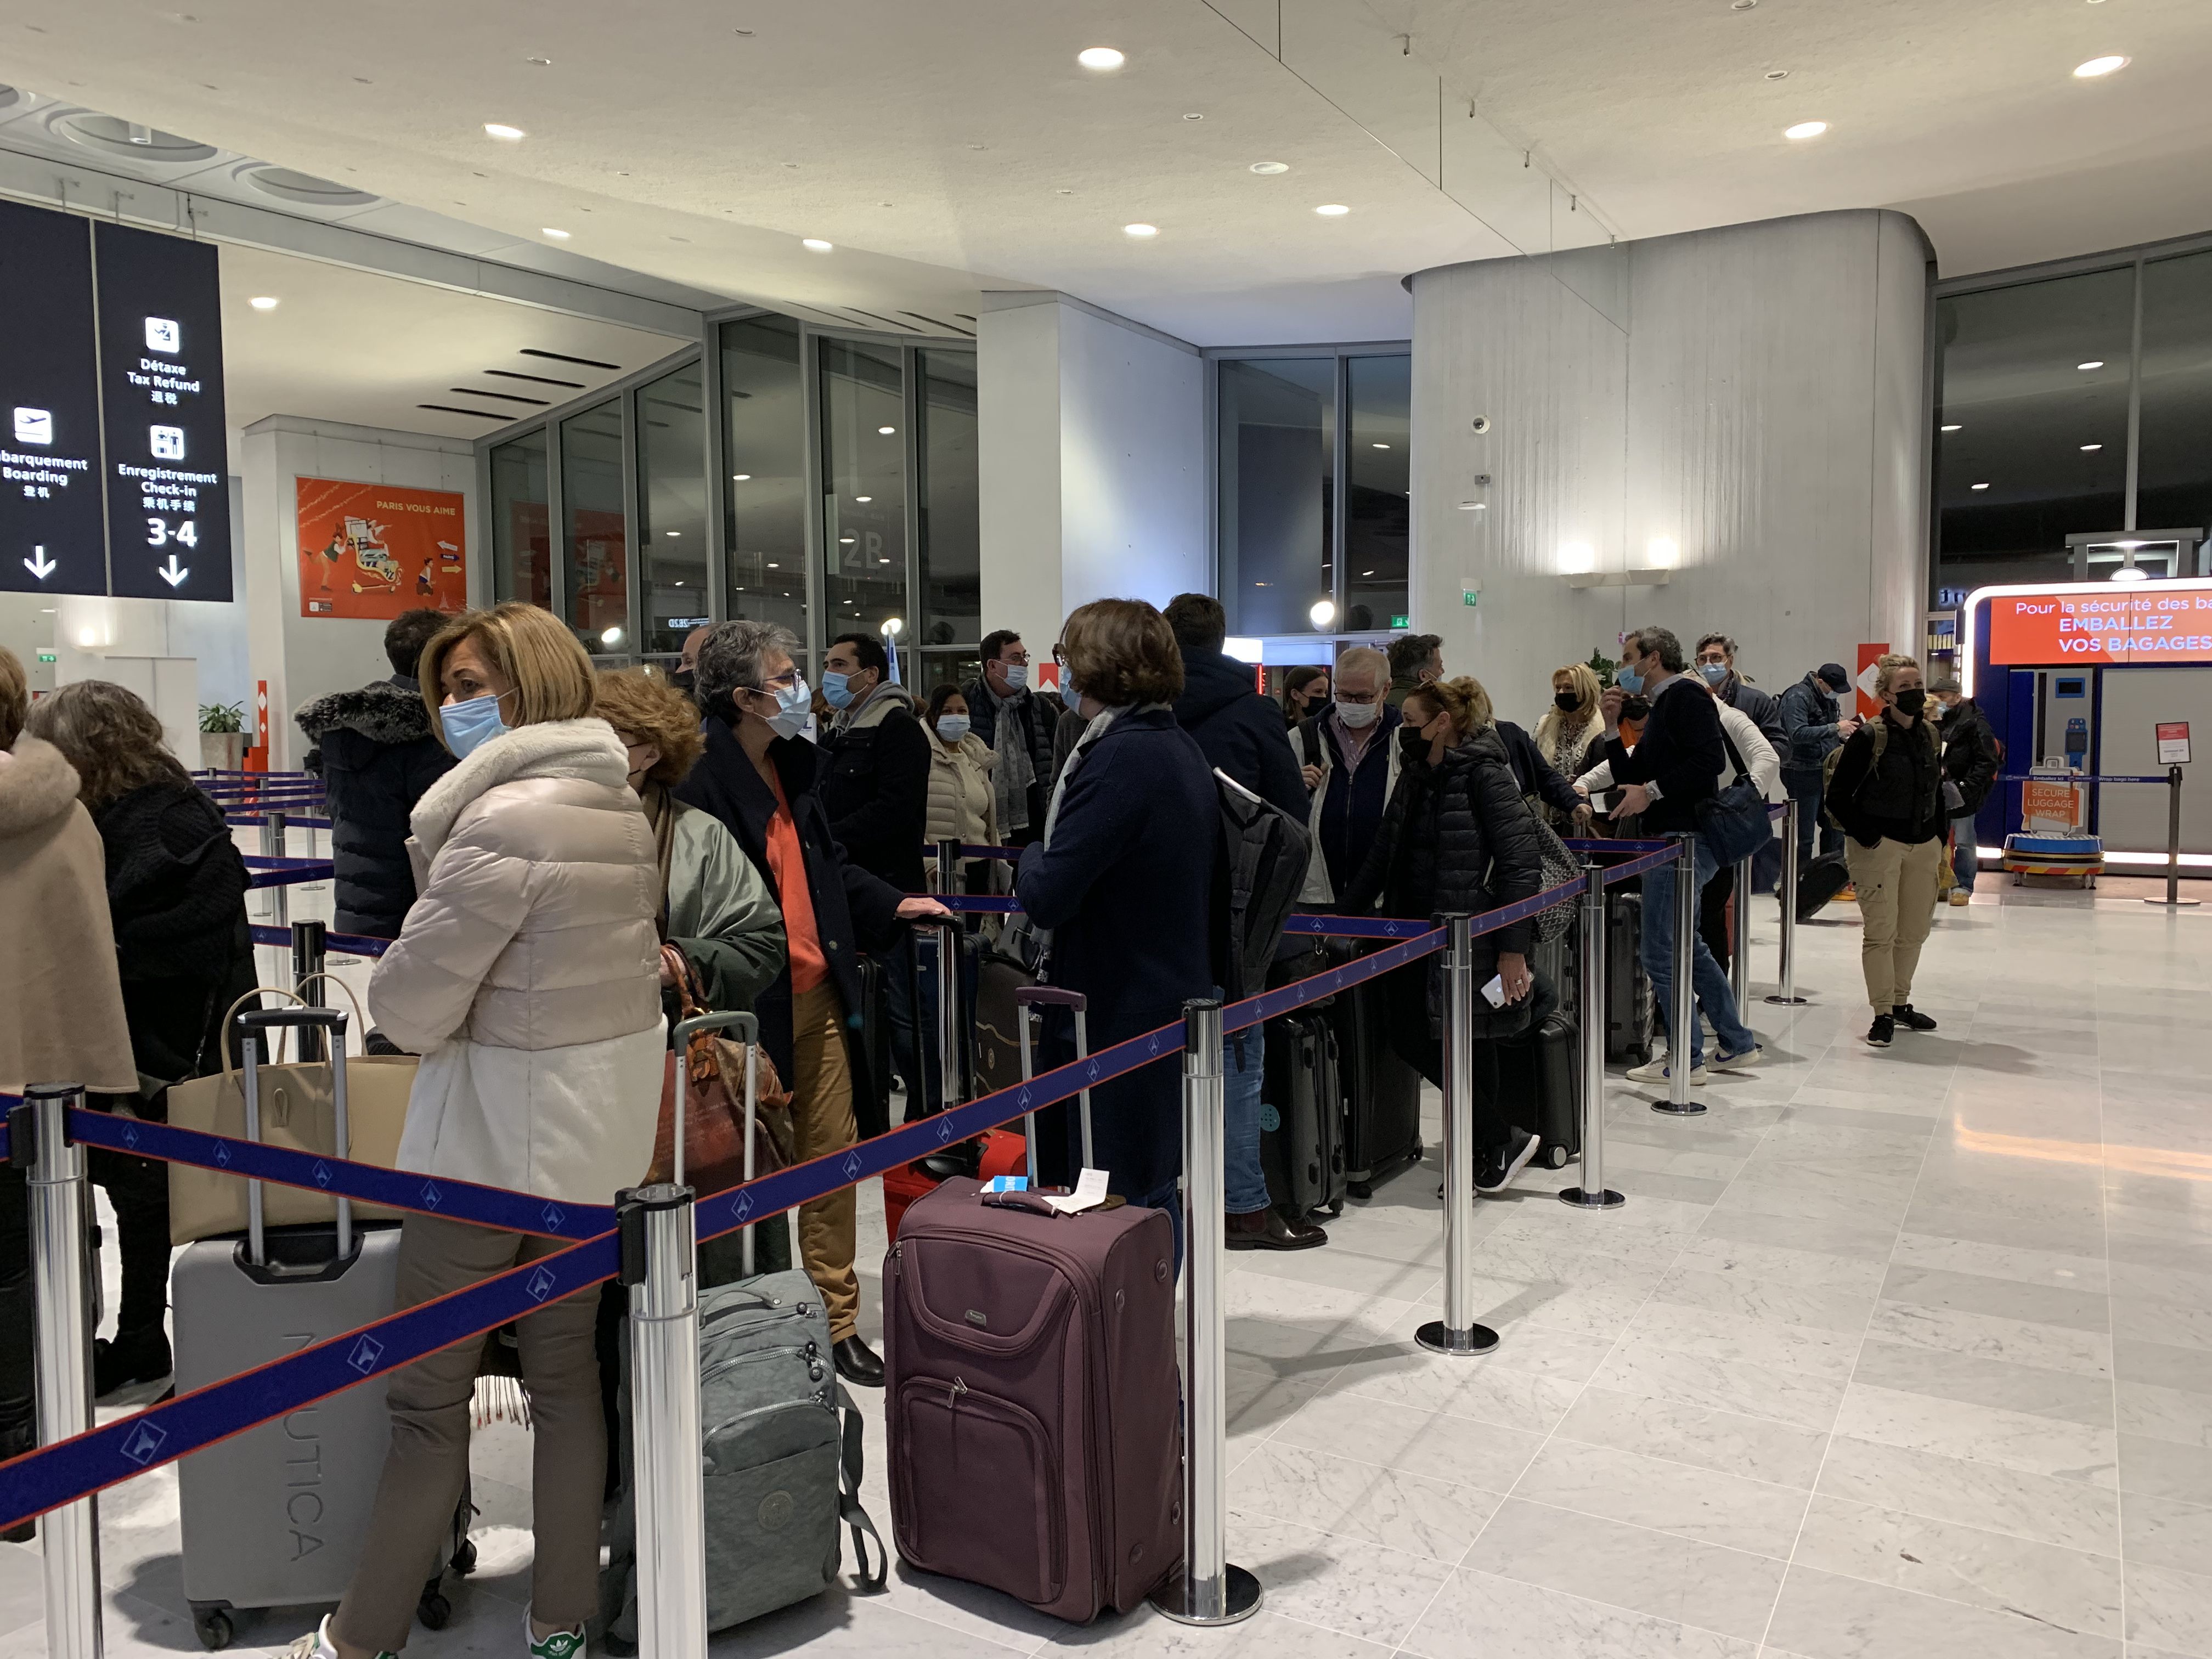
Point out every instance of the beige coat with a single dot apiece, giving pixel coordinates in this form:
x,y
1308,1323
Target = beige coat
x,y
61,1007
527,972
964,805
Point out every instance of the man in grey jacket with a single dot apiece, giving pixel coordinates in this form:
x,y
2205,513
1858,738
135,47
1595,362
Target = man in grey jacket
x,y
1814,724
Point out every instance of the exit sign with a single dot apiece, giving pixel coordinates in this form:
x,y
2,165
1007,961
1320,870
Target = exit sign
x,y
1401,621
49,656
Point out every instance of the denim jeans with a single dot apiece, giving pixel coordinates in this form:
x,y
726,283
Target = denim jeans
x,y
1706,975
1966,857
1245,1185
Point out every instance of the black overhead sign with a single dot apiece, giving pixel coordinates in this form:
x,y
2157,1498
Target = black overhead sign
x,y
52,534
112,432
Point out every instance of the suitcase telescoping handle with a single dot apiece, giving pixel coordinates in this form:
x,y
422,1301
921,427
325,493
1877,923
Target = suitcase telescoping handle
x,y
748,1028
1052,996
252,1025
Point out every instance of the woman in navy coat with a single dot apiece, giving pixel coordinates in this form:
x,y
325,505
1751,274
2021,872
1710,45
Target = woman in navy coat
x,y
1123,878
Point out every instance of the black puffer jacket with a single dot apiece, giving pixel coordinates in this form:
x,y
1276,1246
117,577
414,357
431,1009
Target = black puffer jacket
x,y
1240,731
176,891
1457,836
376,755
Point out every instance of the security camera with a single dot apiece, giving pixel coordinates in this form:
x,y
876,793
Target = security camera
x,y
1482,423
1482,481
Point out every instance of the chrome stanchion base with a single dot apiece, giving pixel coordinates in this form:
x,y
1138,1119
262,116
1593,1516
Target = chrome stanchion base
x,y
1439,1338
1583,1200
2179,904
1789,1002
1687,1108
1240,1599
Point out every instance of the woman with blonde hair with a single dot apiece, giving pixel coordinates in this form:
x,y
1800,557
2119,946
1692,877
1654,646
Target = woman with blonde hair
x,y
1458,838
526,975
1572,727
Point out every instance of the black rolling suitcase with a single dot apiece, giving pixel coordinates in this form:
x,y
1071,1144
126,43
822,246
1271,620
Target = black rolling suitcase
x,y
1820,881
1628,1005
1382,1092
1540,1074
1301,1127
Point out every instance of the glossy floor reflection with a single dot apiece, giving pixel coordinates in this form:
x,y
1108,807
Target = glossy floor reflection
x,y
1890,1354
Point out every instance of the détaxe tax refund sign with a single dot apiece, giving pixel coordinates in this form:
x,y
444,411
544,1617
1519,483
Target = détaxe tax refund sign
x,y
2111,625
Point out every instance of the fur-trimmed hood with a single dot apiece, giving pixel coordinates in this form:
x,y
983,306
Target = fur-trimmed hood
x,y
586,748
37,785
389,711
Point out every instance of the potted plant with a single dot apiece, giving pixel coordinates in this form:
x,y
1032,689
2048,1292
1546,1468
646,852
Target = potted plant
x,y
222,736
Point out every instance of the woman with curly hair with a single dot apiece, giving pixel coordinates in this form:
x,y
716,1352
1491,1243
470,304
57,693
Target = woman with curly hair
x,y
1570,728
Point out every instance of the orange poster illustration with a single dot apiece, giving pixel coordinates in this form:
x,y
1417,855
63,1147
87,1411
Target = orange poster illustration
x,y
373,551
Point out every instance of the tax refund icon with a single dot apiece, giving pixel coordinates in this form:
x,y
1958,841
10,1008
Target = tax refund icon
x,y
162,334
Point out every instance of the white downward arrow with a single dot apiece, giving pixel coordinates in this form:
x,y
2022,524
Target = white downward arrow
x,y
170,574
39,565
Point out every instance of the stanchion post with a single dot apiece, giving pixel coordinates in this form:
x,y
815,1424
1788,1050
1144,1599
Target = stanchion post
x,y
1739,938
1456,1333
948,867
948,1012
1208,1590
308,953
1786,968
61,1289
1589,1193
1682,1017
272,843
2172,898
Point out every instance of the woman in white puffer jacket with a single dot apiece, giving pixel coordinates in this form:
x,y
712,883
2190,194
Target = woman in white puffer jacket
x,y
526,975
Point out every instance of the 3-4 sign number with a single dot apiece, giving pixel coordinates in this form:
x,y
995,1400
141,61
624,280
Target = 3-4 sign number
x,y
158,533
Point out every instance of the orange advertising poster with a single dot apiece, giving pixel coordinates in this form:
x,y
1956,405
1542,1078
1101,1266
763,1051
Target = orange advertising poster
x,y
373,551
2171,622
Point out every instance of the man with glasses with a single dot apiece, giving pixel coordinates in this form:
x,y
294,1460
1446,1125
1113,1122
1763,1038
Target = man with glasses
x,y
1347,754
1017,721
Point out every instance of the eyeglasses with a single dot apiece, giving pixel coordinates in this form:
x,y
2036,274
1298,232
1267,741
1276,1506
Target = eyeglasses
x,y
789,677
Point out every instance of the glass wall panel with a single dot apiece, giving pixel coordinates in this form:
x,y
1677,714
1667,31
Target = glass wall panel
x,y
951,567
765,452
1277,464
863,472
2033,412
597,538
521,540
671,459
1377,522
2173,482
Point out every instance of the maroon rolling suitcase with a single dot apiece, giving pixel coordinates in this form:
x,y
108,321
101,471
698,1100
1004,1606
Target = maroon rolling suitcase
x,y
1034,1411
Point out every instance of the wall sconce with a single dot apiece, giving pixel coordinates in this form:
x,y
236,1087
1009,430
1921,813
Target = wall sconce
x,y
1577,558
1661,553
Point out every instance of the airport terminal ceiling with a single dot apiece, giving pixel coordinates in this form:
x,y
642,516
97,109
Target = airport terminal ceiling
x,y
698,145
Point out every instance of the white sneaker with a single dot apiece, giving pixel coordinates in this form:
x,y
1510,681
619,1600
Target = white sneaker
x,y
1742,1062
562,1644
320,1646
1655,1071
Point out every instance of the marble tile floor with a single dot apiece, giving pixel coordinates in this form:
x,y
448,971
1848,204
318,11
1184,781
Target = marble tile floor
x,y
1888,1355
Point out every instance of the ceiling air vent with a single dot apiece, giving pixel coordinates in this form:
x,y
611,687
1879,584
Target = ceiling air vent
x,y
563,357
110,136
305,188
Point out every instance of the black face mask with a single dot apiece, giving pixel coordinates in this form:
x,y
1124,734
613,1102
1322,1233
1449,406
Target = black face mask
x,y
1565,702
1635,708
1912,702
684,679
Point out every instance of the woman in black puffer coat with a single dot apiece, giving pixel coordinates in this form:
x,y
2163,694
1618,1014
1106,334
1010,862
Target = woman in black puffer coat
x,y
1458,837
176,894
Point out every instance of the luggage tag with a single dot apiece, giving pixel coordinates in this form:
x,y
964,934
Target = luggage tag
x,y
1013,1193
1005,1184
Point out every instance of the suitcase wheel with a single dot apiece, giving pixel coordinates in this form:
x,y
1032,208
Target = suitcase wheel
x,y
213,1626
434,1610
1360,1190
1555,1158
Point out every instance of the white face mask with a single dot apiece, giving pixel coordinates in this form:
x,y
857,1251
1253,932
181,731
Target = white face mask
x,y
1358,714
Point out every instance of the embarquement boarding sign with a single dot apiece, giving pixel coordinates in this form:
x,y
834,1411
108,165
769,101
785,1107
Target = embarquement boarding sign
x,y
2162,622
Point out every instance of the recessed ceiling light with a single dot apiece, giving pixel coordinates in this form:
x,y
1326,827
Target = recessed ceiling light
x,y
1271,168
1332,210
772,565
541,62
675,532
1366,572
1141,231
557,235
886,430
497,130
263,302
864,498
2097,66
2091,449
1778,74
1381,445
2094,362
1980,486
1953,427
815,245
846,541
740,477
1805,130
1100,57
1194,117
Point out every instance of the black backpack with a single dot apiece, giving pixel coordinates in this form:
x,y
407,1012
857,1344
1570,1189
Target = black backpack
x,y
1259,873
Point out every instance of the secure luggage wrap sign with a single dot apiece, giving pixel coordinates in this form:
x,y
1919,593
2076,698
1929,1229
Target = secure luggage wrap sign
x,y
2169,622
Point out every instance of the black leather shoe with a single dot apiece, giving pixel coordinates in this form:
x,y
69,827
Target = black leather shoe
x,y
1271,1230
134,1356
858,1363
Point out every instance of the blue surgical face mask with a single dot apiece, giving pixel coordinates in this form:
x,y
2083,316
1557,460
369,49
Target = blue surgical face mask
x,y
837,689
1628,679
952,727
1715,672
1017,675
471,724
794,706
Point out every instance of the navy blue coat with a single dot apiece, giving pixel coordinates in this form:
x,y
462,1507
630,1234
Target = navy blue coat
x,y
1238,730
1126,888
376,754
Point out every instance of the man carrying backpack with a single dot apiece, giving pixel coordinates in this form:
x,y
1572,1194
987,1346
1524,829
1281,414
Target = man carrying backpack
x,y
1241,733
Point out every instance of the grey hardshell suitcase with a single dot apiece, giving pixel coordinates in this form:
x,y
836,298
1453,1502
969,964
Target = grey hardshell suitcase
x,y
275,1516
1301,1122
